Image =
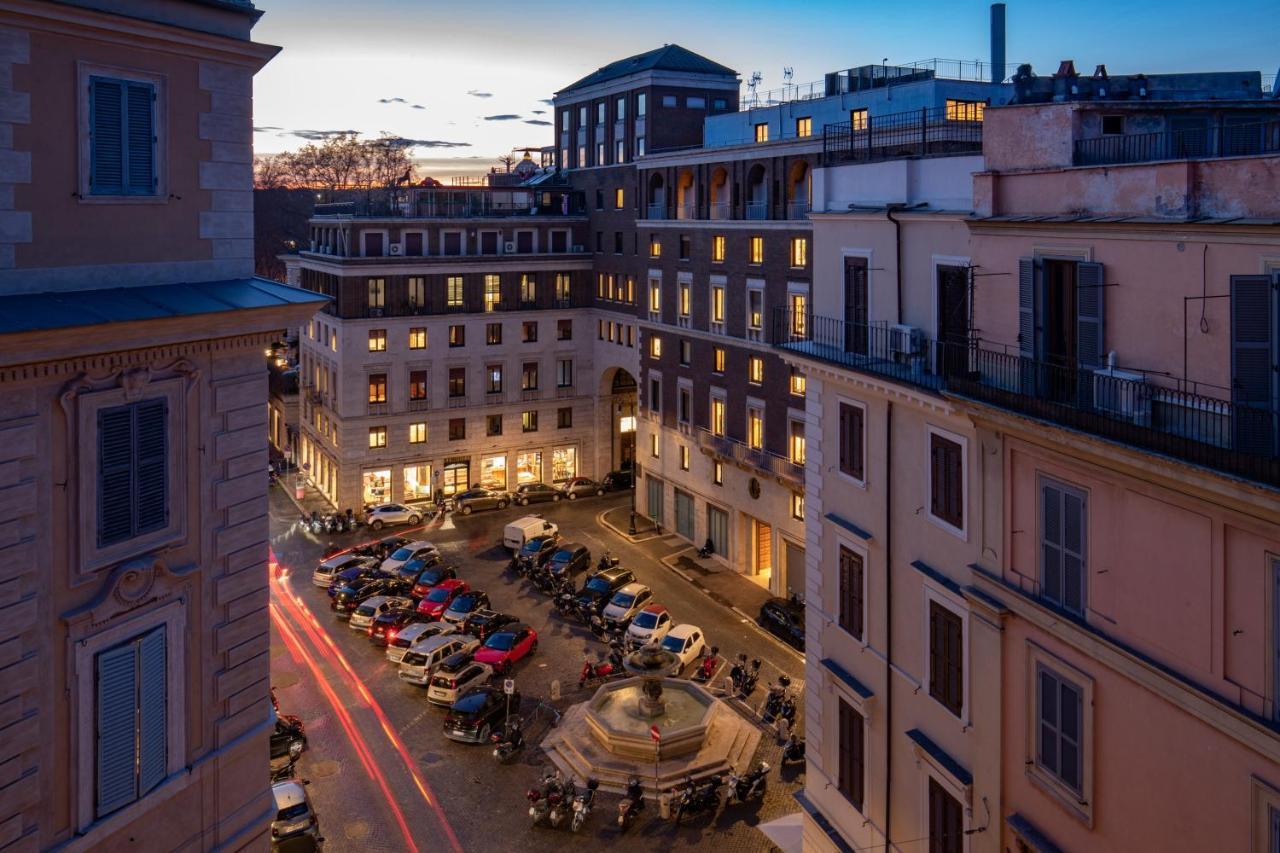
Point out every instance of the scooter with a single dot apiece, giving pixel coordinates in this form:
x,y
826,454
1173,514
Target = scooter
x,y
793,752
582,805
631,804
538,806
748,785
507,746
778,694
695,798
601,670
316,523
744,676
565,604
560,800
751,677
607,561
707,668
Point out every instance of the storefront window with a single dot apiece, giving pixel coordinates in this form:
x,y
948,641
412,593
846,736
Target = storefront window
x,y
529,467
377,486
457,478
564,463
417,482
493,472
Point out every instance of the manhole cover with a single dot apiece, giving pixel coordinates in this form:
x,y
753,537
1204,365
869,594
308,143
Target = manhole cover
x,y
356,830
429,757
325,769
284,679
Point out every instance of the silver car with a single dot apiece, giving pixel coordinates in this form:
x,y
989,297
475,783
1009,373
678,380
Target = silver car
x,y
414,632
386,515
327,571
425,656
626,603
294,813
474,499
372,608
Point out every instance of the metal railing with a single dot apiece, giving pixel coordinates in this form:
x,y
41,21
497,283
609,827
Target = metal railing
x,y
914,133
687,210
379,408
756,457
797,210
1221,140
418,405
1153,412
757,210
657,211
721,210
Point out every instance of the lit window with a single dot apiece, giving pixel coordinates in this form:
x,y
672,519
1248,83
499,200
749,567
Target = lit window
x,y
457,336
528,288
655,347
858,119
377,292
796,442
655,247
755,428
619,199
684,457
378,388
799,314
377,340
492,292
655,296
964,110
717,248
717,416
797,383
804,127
684,299
529,331
653,445
717,359
563,291
493,379
717,474
418,338
755,309
755,369
417,433
529,421
755,254
717,304
686,352
493,333
453,291
417,292
799,251
797,506
762,132
377,436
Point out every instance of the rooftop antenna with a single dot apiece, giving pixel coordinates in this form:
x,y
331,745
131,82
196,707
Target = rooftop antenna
x,y
752,84
787,73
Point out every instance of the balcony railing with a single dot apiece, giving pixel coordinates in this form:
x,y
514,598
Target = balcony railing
x,y
915,133
721,210
797,210
757,210
688,210
1196,143
457,401
657,211
1149,412
754,457
418,405
379,408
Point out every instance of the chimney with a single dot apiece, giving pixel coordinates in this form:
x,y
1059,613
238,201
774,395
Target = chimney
x,y
997,42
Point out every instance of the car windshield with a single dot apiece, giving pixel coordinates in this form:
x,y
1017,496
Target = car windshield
x,y
364,610
562,556
502,642
646,619
402,554
463,602
431,576
673,644
598,584
533,546
292,812
438,595
624,599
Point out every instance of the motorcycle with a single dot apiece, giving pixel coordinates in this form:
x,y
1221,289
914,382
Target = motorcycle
x,y
565,604
316,523
582,805
750,678
560,800
793,752
631,804
707,668
538,806
706,550
508,745
332,524
695,798
601,670
610,633
744,676
778,694
607,561
748,785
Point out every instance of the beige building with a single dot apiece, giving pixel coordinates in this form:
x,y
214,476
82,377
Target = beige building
x,y
133,624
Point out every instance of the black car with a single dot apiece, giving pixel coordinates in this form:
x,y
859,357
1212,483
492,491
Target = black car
x,y
481,711
348,598
356,573
537,550
616,481
382,547
532,493
784,617
417,565
386,625
431,576
288,739
464,605
569,559
601,586
481,623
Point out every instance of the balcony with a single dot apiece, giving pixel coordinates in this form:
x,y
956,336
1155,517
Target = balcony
x,y
379,408
798,210
657,211
418,405
480,202
1145,411
915,133
757,210
1240,140
687,210
721,210
752,457
530,394
457,401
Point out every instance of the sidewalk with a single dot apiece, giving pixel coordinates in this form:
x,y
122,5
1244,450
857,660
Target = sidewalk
x,y
722,584
311,497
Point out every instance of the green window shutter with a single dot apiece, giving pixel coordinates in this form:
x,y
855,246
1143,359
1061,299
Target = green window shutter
x,y
106,136
141,139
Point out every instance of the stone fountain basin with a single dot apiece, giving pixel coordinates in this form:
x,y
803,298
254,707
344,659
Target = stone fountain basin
x,y
621,728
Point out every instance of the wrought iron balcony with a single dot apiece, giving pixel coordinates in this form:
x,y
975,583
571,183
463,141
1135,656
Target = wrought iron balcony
x,y
757,210
1193,144
758,458
1146,411
657,211
915,133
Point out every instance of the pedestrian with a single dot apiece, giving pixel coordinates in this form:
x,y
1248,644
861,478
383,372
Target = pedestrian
x,y
784,728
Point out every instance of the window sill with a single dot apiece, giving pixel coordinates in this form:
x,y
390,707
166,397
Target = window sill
x,y
97,832
958,532
86,198
1068,800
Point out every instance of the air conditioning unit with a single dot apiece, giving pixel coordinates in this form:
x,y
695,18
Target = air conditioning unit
x,y
509,247
1122,394
579,248
397,249
905,341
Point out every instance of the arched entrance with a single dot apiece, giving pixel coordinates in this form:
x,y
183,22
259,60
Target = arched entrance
x,y
618,386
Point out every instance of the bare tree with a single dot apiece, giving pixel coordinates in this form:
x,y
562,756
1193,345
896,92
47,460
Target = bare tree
x,y
508,161
274,171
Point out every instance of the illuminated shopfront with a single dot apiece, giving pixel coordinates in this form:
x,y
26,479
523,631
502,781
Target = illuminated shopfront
x,y
564,464
417,482
529,467
457,477
493,472
376,486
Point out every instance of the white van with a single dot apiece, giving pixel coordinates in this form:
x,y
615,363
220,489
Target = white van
x,y
523,529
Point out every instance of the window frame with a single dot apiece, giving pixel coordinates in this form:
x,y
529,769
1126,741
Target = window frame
x,y
936,597
845,545
847,710
1078,804
962,531
850,476
160,118
1065,488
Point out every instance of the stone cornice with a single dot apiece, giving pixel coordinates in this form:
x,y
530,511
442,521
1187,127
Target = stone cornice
x,y
885,387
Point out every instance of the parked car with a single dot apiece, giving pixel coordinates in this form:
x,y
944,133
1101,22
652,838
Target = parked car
x,y
431,576
481,623
381,548
626,603
388,624
288,739
569,559
371,608
506,647
650,625
437,601
329,570
532,493
536,551
409,551
616,481
600,587
347,576
784,618
464,605
412,633
578,487
687,643
457,674
348,598
515,534
481,710
294,813
473,499
389,515
425,656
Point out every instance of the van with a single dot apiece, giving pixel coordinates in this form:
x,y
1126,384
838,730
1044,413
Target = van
x,y
425,656
515,534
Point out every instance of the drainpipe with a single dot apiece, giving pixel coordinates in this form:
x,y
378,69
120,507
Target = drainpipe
x,y
897,247
888,621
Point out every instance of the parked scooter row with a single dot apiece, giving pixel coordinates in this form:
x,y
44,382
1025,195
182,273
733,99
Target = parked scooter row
x,y
696,798
557,798
332,523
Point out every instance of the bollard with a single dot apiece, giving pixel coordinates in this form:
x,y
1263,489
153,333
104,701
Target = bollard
x,y
664,805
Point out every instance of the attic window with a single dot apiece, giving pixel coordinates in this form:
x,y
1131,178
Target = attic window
x,y
668,100
1113,125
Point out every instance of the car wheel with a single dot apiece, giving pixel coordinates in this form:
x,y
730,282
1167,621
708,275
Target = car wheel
x,y
599,492
376,524
484,734
557,497
413,519
524,502
466,510
534,647
573,496
502,504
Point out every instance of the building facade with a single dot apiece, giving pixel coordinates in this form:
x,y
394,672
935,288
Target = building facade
x,y
133,524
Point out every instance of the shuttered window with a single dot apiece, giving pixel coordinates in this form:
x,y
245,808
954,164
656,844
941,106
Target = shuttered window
x,y
946,820
133,470
718,530
1255,363
946,480
1063,546
655,499
851,441
946,657
851,583
122,137
131,724
684,514
852,764
1059,728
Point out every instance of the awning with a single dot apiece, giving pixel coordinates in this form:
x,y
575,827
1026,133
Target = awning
x,y
787,832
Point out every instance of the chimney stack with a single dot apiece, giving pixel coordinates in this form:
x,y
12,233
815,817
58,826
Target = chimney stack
x,y
997,42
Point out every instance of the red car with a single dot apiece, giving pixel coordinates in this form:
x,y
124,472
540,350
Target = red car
x,y
437,601
506,646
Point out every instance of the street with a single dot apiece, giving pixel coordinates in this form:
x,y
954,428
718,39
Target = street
x,y
382,775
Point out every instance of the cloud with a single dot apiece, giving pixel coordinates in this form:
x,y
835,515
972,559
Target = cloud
x,y
536,121
502,117
266,128
538,112
427,143
547,101
317,135
419,107
392,101
476,93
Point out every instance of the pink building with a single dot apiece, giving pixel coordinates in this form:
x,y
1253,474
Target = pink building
x,y
133,587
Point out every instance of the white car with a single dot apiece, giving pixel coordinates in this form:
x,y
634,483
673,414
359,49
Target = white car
x,y
327,571
412,633
385,515
685,642
374,607
650,626
455,676
425,656
405,553
626,603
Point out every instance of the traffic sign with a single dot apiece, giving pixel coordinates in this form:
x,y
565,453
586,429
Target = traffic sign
x,y
509,686
655,733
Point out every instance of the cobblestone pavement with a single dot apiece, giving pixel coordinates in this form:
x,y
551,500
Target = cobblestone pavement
x,y
383,777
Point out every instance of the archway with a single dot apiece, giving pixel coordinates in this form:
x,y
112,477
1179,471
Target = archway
x,y
618,387
657,196
799,190
757,193
720,199
686,195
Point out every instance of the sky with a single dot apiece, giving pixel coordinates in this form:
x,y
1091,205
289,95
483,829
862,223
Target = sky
x,y
470,81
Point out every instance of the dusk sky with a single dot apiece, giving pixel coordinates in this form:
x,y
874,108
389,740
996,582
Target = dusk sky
x,y
469,79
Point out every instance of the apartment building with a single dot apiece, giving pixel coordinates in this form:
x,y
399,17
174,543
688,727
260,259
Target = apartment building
x,y
1042,532
133,523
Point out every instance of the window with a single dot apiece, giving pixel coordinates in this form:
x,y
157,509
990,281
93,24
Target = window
x,y
492,292
529,421
717,415
717,359
599,241
417,292
377,297
684,302
655,296
582,116
964,110
529,376
686,352
564,330
653,445
684,405
655,347
755,427
493,425
686,246
804,127
617,243
799,252
755,309
620,108
493,381
564,287
797,385
717,249
564,373
797,506
453,291
378,388
762,132
377,340
417,433
418,337
417,386
1113,125
457,429
717,479
668,100
946,657
695,103
600,153
655,247
755,250
619,199
457,336
599,199
858,119
122,138
852,760
457,382
946,480
601,107
639,146
528,289
564,418
684,457
798,308
1063,546
377,437
655,394
852,437
1059,728
719,104
946,821
641,104
755,369
133,470
529,331
493,333
852,584
131,720
795,441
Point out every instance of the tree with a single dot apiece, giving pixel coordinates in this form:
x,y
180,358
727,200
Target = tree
x,y
274,171
508,161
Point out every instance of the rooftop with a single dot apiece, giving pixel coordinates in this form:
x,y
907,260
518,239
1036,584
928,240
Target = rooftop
x,y
669,57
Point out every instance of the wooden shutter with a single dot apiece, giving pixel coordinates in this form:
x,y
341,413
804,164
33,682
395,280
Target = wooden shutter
x,y
117,677
852,759
140,146
151,461
106,136
855,305
1090,314
153,729
946,822
955,483
1051,542
844,438
946,655
115,475
1253,363
851,581
851,425
1073,551
1028,349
